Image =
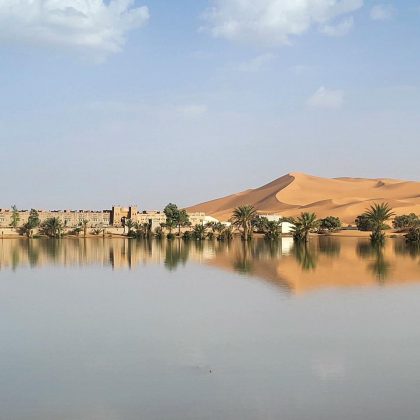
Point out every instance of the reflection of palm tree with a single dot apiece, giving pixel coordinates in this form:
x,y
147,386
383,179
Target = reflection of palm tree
x,y
305,256
15,258
329,246
129,252
380,267
364,250
274,248
33,254
199,247
407,248
243,260
374,252
176,252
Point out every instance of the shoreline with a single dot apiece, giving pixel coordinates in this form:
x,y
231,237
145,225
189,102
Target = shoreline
x,y
339,234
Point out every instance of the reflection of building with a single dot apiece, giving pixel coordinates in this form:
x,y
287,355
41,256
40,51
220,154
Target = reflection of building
x,y
114,217
324,262
287,245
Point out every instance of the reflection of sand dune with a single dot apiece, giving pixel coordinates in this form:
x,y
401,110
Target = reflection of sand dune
x,y
351,269
325,262
342,197
329,262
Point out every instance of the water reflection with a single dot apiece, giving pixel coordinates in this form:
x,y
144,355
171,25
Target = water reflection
x,y
323,262
306,255
379,265
403,248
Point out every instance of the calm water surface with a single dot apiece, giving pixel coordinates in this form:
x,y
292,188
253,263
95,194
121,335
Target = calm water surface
x,y
113,329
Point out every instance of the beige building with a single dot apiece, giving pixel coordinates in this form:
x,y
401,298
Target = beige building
x,y
69,218
120,214
152,218
115,217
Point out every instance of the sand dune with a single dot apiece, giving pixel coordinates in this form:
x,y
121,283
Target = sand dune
x,y
342,197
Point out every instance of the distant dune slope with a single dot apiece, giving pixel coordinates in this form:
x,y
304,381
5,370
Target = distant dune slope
x,y
342,197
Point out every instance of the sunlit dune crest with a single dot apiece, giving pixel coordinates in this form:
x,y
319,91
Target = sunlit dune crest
x,y
342,197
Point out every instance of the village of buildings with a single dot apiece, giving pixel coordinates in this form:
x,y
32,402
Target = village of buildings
x,y
112,220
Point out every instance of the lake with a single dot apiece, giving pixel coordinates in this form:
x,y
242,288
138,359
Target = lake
x,y
119,329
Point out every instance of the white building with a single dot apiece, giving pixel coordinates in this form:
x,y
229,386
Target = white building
x,y
286,227
211,219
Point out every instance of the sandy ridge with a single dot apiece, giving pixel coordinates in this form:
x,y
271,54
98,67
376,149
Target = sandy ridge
x,y
343,197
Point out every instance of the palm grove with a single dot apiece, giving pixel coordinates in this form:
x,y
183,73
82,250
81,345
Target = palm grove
x,y
245,220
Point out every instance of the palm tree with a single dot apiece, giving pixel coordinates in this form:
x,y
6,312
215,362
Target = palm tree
x,y
141,230
199,232
243,218
272,230
170,225
212,227
303,225
97,231
84,224
32,223
52,227
219,228
15,218
130,225
377,215
260,224
76,231
413,235
227,233
158,232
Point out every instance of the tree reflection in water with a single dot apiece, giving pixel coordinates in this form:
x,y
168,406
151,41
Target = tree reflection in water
x,y
379,265
407,249
306,255
329,246
242,262
176,253
324,260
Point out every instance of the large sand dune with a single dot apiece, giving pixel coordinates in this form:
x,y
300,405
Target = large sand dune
x,y
342,197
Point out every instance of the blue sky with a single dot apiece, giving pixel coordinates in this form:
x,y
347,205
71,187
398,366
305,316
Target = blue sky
x,y
157,101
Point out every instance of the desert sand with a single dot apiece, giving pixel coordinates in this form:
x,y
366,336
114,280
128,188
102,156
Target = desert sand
x,y
345,198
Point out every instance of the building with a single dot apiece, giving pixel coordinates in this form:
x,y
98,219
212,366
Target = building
x,y
286,227
120,214
116,217
69,218
152,218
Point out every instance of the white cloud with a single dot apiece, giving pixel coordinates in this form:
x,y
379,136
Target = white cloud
x,y
382,12
91,26
275,21
340,29
256,64
326,98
